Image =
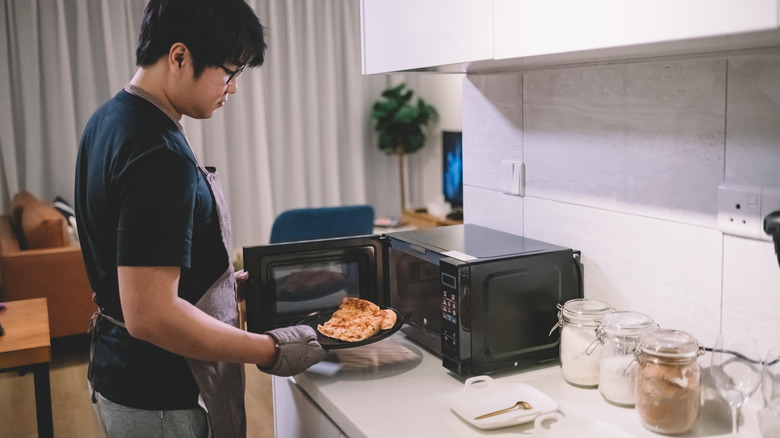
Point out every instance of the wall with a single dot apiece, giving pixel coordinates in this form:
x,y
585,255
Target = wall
x,y
623,162
423,174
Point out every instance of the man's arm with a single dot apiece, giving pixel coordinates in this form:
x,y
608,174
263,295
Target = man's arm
x,y
154,313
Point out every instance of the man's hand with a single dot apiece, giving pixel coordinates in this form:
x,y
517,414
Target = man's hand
x,y
241,277
298,350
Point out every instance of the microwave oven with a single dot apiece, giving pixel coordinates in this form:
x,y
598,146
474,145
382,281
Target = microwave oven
x,y
481,299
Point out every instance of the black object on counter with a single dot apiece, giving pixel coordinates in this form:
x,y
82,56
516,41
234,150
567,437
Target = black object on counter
x,y
772,227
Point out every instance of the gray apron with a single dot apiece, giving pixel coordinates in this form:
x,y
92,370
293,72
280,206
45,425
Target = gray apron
x,y
222,384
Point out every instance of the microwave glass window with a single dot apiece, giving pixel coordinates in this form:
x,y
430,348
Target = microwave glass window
x,y
415,290
309,287
518,307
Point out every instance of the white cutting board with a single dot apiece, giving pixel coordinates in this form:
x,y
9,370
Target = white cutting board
x,y
481,395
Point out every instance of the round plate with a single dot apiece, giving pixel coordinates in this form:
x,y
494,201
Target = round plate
x,y
317,318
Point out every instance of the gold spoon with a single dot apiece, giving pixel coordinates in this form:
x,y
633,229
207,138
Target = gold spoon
x,y
522,404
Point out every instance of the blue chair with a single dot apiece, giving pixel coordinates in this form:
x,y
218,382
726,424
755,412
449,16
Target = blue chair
x,y
323,223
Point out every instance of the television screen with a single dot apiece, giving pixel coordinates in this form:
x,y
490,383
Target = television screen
x,y
452,168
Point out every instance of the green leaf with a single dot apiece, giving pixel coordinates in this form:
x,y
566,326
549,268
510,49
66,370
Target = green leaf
x,y
399,122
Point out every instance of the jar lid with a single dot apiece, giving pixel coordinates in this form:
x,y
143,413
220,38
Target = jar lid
x,y
625,323
585,307
669,344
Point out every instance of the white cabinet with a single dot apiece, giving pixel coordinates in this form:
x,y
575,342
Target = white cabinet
x,y
409,34
402,35
296,416
532,27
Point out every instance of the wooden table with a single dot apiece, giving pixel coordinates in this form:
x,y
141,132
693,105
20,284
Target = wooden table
x,y
424,220
26,346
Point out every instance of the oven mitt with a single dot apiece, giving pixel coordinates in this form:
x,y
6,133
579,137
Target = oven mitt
x,y
298,350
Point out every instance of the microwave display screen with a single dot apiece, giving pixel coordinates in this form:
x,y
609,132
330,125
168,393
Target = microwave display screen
x,y
308,287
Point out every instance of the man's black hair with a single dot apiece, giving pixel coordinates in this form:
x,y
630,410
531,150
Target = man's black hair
x,y
215,32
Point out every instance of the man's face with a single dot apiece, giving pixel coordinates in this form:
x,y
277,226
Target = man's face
x,y
200,97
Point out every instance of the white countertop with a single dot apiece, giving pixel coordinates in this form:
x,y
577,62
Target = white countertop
x,y
412,398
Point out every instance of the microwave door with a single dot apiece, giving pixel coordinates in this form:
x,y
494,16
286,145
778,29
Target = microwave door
x,y
289,281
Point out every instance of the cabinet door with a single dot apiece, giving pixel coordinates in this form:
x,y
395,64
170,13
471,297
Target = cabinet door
x,y
296,416
409,34
533,27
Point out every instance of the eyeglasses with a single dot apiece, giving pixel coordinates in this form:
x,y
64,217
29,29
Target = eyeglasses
x,y
231,73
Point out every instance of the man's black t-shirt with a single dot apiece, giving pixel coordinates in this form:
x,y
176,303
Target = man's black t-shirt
x,y
142,200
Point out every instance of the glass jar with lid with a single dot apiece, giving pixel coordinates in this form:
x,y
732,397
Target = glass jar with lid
x,y
668,382
619,335
579,348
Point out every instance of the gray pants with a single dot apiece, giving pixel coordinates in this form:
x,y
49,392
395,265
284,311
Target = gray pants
x,y
120,421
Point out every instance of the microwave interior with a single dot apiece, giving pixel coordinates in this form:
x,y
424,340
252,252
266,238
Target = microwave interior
x,y
287,282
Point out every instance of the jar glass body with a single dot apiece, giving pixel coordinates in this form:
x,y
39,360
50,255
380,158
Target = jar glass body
x,y
619,334
579,348
668,384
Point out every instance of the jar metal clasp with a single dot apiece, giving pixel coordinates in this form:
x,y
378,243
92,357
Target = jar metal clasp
x,y
560,319
598,340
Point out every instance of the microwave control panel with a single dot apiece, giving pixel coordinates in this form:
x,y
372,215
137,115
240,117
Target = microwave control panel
x,y
454,288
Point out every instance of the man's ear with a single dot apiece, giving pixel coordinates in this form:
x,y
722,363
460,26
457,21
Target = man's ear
x,y
176,54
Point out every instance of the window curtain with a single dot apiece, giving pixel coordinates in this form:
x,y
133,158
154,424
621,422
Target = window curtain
x,y
296,134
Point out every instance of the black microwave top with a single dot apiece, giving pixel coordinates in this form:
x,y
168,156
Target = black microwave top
x,y
470,242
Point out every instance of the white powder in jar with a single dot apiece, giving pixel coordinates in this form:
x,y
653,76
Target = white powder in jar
x,y
617,377
577,366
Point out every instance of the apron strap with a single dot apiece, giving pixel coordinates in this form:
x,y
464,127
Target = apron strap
x,y
93,322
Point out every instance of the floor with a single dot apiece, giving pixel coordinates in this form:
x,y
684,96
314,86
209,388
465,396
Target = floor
x,y
71,406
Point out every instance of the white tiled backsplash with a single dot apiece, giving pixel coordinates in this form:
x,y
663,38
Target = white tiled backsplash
x,y
623,162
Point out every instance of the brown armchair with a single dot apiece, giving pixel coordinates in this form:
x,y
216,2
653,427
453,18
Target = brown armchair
x,y
37,260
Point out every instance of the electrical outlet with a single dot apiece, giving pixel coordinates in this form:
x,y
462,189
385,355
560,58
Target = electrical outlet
x,y
742,209
770,202
739,211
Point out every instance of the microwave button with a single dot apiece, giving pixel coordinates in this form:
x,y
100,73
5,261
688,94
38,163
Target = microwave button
x,y
449,309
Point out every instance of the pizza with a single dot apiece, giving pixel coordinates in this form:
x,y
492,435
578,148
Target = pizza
x,y
356,320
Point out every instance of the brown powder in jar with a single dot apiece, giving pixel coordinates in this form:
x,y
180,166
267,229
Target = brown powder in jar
x,y
668,396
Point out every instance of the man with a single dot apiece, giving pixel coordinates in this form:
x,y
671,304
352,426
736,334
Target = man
x,y
167,356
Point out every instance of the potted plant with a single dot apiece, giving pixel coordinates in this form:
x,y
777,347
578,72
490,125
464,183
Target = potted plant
x,y
399,124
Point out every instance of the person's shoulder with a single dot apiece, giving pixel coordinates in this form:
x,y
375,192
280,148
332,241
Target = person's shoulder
x,y
106,108
123,109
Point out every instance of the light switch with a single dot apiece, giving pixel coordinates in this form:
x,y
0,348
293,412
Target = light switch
x,y
513,177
